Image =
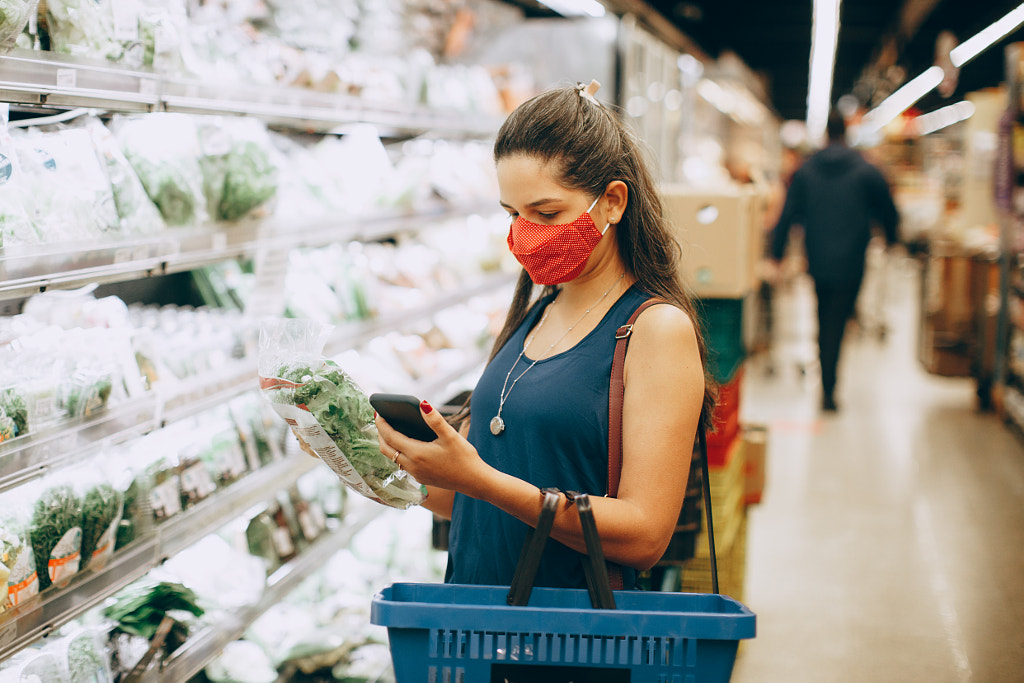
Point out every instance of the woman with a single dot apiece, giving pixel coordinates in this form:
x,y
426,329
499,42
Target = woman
x,y
588,227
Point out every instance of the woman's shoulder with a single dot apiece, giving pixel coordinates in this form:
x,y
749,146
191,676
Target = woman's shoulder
x,y
665,323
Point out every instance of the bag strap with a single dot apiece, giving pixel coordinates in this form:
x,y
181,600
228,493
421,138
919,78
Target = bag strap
x,y
616,399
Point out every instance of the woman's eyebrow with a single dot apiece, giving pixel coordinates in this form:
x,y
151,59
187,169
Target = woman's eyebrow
x,y
535,204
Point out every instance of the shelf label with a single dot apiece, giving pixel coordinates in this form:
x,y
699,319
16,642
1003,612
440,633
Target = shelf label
x,y
123,255
148,87
220,241
140,253
67,78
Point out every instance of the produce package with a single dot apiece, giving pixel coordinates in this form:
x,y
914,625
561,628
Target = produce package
x,y
55,532
329,412
163,149
102,506
71,194
239,173
14,15
139,609
30,666
17,207
135,210
88,660
18,580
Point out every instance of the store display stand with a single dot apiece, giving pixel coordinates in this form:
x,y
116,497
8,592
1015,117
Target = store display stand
x,y
47,81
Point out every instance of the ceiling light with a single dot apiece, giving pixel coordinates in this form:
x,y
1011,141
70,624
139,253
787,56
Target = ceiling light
x,y
947,116
824,34
985,38
576,8
898,102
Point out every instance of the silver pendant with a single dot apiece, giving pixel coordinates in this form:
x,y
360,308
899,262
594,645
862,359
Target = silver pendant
x,y
497,425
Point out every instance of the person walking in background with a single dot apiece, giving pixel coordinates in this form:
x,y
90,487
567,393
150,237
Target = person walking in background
x,y
836,196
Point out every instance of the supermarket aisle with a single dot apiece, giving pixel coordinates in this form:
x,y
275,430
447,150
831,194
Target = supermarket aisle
x,y
888,546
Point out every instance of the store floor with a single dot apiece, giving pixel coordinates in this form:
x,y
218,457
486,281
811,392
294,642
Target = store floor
x,y
889,545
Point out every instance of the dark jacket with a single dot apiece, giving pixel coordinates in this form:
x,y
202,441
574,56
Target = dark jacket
x,y
836,196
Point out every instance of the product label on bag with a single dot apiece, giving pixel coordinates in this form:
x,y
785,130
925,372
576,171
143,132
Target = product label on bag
x,y
65,557
165,498
24,581
309,430
105,546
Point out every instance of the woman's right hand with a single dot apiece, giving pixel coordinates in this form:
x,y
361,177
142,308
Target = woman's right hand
x,y
449,462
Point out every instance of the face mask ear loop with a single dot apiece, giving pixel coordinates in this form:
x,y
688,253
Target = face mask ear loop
x,y
606,225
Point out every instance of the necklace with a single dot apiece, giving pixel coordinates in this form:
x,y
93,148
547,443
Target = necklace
x,y
497,424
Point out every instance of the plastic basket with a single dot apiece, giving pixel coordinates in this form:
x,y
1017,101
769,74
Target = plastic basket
x,y
445,633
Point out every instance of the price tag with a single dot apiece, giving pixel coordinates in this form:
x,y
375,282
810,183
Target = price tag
x,y
220,241
141,252
123,255
126,20
148,87
67,78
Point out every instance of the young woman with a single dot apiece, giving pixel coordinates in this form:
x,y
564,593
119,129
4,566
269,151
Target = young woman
x,y
588,227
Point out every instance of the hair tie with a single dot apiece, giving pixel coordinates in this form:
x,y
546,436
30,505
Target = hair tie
x,y
588,91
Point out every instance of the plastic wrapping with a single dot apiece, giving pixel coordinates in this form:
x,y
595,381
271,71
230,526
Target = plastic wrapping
x,y
164,151
102,507
239,170
55,531
328,411
14,16
17,560
241,662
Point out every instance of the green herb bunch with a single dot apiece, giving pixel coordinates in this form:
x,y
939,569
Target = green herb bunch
x,y
101,506
139,612
55,513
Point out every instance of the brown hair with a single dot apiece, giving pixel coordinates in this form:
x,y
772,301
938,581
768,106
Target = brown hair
x,y
591,147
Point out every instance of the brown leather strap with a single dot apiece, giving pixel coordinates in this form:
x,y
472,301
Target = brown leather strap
x,y
616,397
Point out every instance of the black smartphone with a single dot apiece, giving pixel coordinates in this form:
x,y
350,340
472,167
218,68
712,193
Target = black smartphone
x,y
402,412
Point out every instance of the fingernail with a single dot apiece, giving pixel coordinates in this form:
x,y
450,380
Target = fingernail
x,y
426,407
375,415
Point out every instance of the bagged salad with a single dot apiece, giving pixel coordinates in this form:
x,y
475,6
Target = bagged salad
x,y
329,412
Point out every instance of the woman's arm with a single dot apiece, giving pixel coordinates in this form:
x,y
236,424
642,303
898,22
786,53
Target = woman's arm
x,y
664,395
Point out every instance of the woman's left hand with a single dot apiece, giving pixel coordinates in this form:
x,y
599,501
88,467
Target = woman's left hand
x,y
450,462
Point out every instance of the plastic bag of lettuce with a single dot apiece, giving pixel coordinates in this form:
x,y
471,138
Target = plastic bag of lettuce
x,y
328,411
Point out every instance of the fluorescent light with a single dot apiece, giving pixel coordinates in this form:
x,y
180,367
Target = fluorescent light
x,y
576,8
985,38
824,34
898,102
947,116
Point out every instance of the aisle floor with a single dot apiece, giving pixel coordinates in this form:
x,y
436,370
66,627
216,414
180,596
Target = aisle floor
x,y
889,545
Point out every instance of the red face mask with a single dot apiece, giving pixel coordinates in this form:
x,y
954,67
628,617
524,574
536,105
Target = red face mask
x,y
553,254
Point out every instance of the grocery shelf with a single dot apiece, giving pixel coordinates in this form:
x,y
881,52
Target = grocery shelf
x,y
203,646
27,270
35,453
41,615
40,78
352,335
44,78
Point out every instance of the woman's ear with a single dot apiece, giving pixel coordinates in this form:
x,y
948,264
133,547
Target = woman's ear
x,y
616,196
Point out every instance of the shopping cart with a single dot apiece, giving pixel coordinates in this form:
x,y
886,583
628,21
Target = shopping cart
x,y
446,633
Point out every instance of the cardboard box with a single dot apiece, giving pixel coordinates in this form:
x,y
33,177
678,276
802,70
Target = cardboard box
x,y
755,447
720,234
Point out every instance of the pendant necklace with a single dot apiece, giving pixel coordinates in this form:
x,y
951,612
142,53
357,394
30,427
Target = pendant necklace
x,y
497,424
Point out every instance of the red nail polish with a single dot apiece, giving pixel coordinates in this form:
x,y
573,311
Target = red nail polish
x,y
426,407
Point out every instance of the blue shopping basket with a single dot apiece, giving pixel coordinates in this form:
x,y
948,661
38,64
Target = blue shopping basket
x,y
448,633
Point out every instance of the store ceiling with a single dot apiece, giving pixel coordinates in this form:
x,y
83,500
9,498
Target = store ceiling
x,y
774,39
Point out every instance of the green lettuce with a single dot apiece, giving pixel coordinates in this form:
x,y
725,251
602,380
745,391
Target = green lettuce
x,y
345,414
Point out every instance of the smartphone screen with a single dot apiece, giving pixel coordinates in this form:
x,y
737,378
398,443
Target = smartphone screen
x,y
402,412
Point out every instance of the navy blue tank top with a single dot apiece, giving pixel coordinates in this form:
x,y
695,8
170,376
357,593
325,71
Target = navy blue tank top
x,y
556,434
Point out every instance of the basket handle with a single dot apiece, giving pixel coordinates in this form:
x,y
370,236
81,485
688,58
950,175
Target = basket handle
x,y
594,568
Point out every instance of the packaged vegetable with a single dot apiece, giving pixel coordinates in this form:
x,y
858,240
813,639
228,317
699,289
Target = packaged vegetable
x,y
136,211
241,661
328,411
163,149
102,506
17,563
56,534
17,205
88,661
139,609
35,666
239,173
14,15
